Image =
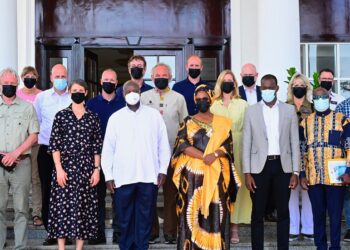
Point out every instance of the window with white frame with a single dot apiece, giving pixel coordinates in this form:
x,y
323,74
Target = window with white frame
x,y
335,56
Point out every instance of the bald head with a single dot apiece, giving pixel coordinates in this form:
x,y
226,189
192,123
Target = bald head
x,y
194,60
58,72
249,75
248,69
320,92
109,75
131,86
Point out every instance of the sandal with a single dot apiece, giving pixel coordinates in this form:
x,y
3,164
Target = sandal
x,y
234,237
37,221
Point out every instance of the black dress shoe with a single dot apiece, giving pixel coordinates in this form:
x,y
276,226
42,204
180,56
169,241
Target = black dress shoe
x,y
169,239
115,238
49,242
97,241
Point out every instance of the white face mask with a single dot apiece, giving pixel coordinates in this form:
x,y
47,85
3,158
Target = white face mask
x,y
132,98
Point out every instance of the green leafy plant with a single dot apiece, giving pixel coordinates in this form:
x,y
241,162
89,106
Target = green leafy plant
x,y
315,84
291,71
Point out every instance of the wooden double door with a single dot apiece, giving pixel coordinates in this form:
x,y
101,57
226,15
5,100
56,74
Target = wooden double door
x,y
88,36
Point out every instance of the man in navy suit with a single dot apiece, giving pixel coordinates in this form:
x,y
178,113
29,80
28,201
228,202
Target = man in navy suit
x,y
249,91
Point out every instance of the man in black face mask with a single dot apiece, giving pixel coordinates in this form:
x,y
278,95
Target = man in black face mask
x,y
104,105
249,91
137,69
326,80
19,130
187,87
172,107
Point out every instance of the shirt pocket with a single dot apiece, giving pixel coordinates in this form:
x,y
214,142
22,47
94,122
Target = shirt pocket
x,y
334,137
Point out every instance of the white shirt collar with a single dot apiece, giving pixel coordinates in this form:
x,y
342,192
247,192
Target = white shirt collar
x,y
134,112
274,106
249,89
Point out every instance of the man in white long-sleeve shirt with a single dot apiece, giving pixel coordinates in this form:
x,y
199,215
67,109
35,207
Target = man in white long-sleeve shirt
x,y
135,158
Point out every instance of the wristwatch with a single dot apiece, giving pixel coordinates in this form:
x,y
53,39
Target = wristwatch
x,y
296,173
216,154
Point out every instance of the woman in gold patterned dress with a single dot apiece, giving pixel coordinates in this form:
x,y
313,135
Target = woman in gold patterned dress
x,y
205,177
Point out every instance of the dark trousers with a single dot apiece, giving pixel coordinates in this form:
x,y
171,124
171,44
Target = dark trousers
x,y
272,175
45,167
135,207
170,216
101,193
329,198
115,223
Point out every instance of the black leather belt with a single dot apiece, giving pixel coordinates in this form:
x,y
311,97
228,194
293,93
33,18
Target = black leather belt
x,y
273,157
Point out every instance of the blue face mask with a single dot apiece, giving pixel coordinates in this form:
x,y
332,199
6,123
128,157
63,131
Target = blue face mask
x,y
321,104
268,95
60,84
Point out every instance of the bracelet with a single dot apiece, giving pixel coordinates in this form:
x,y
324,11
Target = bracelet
x,y
97,167
216,154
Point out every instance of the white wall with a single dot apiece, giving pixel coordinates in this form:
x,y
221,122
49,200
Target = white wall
x,y
8,41
266,33
17,25
26,33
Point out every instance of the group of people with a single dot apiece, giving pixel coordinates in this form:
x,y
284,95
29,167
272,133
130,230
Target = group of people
x,y
222,154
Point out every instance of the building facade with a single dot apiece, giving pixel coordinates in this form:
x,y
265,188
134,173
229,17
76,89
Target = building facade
x,y
88,36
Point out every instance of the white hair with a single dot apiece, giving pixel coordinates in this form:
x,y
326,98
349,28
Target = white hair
x,y
164,65
9,71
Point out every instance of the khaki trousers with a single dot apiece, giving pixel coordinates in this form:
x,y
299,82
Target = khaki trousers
x,y
19,182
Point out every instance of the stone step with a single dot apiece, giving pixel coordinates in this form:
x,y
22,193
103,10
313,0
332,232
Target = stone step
x,y
37,234
269,245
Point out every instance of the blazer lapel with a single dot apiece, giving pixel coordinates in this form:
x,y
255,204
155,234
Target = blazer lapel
x,y
261,118
280,117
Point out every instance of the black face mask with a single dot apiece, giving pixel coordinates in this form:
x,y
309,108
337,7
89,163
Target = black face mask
x,y
326,84
299,92
194,73
29,82
248,80
203,105
78,97
161,83
136,72
227,87
108,87
9,90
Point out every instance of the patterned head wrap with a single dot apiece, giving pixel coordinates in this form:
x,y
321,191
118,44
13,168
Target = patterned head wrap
x,y
206,89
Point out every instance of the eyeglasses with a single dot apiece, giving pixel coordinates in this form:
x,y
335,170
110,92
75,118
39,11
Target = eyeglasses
x,y
317,97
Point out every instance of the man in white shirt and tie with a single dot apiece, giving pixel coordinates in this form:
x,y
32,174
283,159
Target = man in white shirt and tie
x,y
135,158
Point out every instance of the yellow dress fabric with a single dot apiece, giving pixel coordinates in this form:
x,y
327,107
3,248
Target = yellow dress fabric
x,y
205,192
235,111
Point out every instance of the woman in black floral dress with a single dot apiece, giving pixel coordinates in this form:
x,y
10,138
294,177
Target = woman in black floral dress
x,y
75,144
